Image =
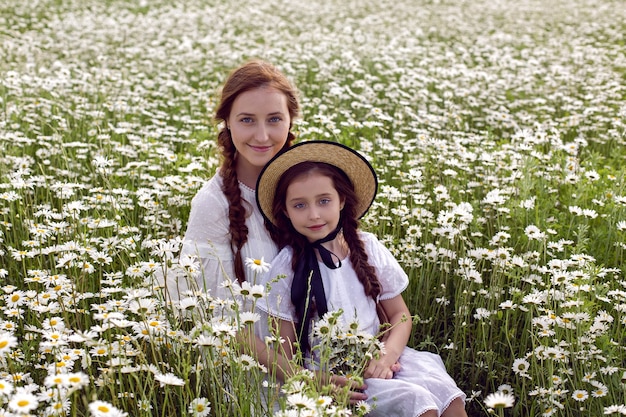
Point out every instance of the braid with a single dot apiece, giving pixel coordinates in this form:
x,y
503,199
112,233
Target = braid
x,y
236,209
364,270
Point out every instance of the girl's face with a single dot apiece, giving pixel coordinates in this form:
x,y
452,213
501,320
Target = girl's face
x,y
313,205
259,125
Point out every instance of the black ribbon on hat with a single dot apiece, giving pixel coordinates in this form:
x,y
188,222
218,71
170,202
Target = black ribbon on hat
x,y
309,299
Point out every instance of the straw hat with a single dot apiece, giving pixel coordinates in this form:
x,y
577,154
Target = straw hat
x,y
348,160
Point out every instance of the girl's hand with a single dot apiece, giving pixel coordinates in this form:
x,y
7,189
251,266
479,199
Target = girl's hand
x,y
380,368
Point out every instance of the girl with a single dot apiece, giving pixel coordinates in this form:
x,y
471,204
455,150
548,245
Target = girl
x,y
257,108
313,194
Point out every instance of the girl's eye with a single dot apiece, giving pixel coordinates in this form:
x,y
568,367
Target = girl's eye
x,y
324,201
298,205
246,119
275,119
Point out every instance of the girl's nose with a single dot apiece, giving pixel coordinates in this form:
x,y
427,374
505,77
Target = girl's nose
x,y
313,213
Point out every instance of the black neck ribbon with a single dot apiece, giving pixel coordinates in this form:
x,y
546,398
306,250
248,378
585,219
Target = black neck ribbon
x,y
307,290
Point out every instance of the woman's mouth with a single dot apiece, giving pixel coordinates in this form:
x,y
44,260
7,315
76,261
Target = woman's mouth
x,y
260,148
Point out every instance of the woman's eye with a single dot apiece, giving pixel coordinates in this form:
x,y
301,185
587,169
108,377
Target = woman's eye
x,y
275,119
246,119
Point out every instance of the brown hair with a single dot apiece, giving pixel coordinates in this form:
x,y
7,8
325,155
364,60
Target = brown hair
x,y
251,75
348,221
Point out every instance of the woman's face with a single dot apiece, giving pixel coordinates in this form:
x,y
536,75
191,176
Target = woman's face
x,y
259,124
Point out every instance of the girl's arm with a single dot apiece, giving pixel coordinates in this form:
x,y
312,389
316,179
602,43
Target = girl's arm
x,y
398,336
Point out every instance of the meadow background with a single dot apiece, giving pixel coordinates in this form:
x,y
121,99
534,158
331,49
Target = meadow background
x,y
497,129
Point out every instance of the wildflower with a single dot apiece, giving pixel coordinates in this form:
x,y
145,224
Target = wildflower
x,y
600,389
301,402
528,204
6,387
520,366
169,379
363,408
23,402
324,401
144,405
77,379
247,362
15,298
499,400
104,409
258,266
55,380
534,233
249,291
619,409
495,197
200,407
505,389
507,305
482,313
7,341
580,395
249,317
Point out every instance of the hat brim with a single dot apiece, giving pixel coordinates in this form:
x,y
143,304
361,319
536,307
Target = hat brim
x,y
356,167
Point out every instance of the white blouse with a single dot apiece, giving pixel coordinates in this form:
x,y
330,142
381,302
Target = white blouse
x,y
208,238
342,286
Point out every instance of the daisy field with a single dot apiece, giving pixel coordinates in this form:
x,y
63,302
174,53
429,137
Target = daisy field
x,y
497,129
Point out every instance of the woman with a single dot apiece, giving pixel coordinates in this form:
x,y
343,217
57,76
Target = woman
x,y
257,107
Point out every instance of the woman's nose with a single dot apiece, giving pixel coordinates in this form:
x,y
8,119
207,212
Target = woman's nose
x,y
261,133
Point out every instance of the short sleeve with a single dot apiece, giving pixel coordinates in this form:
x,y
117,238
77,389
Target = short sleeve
x,y
392,277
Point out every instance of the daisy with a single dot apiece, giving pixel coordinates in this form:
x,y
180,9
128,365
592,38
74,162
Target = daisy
x,y
600,389
258,266
104,409
200,407
363,408
534,233
59,407
169,379
6,387
505,389
249,317
23,402
619,409
580,395
7,342
301,402
499,400
247,362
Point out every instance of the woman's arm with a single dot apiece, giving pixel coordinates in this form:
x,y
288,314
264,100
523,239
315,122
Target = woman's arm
x,y
400,320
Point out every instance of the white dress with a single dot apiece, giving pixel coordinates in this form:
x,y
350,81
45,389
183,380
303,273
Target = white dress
x,y
208,238
422,384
